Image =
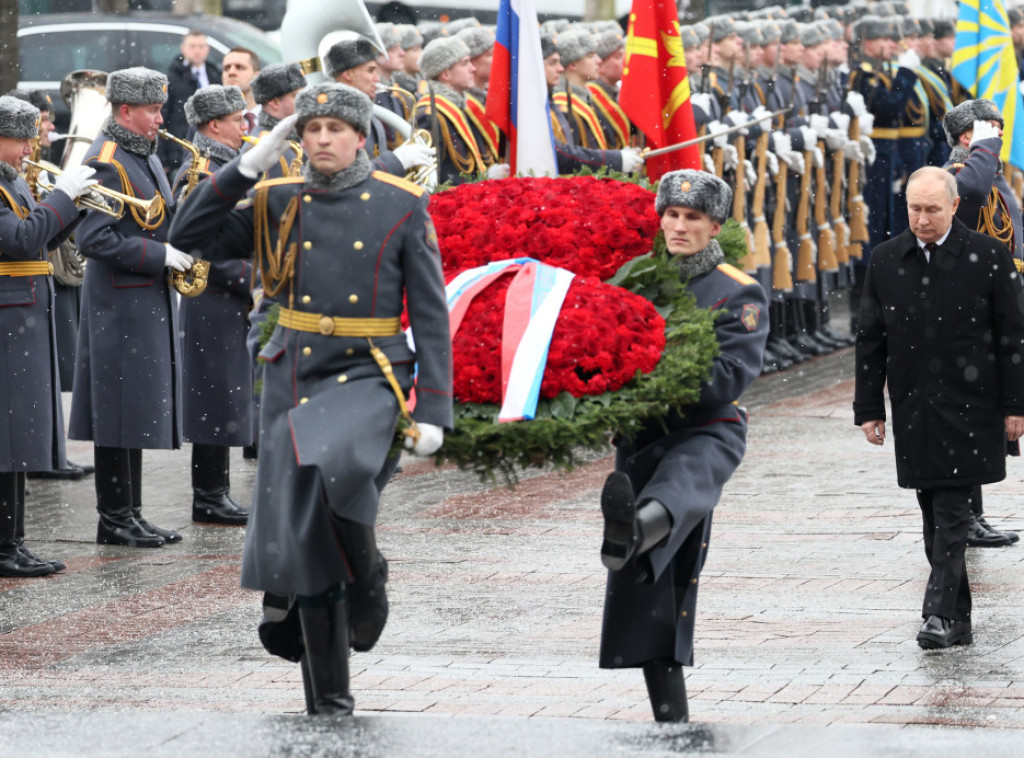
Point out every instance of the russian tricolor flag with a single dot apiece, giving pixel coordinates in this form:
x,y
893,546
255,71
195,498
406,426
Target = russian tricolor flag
x,y
517,96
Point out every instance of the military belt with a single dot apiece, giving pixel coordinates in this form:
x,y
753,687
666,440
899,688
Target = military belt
x,y
26,268
878,133
334,326
910,131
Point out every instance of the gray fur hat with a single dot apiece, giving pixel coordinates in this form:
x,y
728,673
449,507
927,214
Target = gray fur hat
x,y
721,27
479,39
213,102
469,22
410,35
347,54
699,190
608,41
812,34
702,31
961,118
547,45
431,30
37,97
574,45
18,119
1014,16
276,80
689,37
337,101
909,26
137,86
441,54
942,28
789,31
389,35
750,33
555,26
771,32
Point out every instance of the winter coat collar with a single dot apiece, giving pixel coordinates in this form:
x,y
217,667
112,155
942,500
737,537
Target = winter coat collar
x,y
129,140
954,243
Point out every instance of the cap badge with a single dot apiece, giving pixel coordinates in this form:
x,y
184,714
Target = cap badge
x,y
684,187
321,98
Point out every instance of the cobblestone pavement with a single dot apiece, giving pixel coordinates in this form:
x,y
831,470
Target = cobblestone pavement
x,y
809,602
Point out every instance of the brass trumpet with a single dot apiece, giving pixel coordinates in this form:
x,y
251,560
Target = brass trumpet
x,y
98,198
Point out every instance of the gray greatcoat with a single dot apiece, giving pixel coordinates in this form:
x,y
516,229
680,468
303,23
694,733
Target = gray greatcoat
x,y
127,374
327,414
32,428
216,369
650,605
978,171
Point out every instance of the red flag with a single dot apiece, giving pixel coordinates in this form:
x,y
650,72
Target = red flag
x,y
655,90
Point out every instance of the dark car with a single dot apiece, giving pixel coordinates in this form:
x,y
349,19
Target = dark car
x,y
54,44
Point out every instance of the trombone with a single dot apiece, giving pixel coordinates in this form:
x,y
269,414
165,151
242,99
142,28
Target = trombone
x,y
98,198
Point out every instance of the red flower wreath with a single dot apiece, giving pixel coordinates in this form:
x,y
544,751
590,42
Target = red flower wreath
x,y
587,225
603,336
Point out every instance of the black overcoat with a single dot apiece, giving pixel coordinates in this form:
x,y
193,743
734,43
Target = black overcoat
x,y
948,336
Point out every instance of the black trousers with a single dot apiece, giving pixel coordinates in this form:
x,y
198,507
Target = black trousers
x,y
946,512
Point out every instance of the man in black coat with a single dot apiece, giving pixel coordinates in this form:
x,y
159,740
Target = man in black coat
x,y
188,72
942,320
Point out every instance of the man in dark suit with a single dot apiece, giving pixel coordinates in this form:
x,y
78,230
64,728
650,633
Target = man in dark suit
x,y
941,320
189,72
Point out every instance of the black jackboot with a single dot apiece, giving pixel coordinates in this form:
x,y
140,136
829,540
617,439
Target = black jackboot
x,y
211,497
667,690
367,594
324,621
777,334
629,531
19,535
13,561
135,463
118,525
800,335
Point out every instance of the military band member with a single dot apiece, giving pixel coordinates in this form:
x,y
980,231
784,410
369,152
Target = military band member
x,y
354,62
461,150
274,90
389,94
216,374
32,417
412,43
127,393
329,413
658,504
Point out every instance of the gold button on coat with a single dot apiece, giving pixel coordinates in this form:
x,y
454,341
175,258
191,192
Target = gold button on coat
x,y
342,379
307,245
303,400
306,299
358,245
307,199
353,298
365,196
307,350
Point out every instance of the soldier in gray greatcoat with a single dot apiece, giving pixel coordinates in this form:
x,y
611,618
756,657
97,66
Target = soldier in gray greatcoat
x,y
658,503
127,393
31,419
216,375
337,371
274,90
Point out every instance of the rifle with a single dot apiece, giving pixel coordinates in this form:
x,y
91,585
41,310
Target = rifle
x,y
804,270
739,195
706,65
826,238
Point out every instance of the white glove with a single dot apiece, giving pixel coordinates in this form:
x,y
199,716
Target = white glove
x,y
265,153
909,59
835,139
709,163
857,104
781,143
819,124
867,124
810,137
868,146
176,259
632,161
818,155
430,441
982,130
732,158
796,163
772,162
759,113
735,118
715,128
412,154
748,167
841,120
76,181
852,151
701,100
499,171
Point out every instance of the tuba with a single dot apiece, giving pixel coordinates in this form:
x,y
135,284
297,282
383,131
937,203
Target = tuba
x,y
85,94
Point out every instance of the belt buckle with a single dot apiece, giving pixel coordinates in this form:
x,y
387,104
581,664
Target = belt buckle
x,y
326,326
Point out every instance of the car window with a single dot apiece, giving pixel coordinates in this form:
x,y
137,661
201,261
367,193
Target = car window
x,y
155,49
46,56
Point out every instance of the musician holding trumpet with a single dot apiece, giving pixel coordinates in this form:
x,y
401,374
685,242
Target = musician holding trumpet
x,y
31,418
127,392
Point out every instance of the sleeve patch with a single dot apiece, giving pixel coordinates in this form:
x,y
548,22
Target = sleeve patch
x,y
750,316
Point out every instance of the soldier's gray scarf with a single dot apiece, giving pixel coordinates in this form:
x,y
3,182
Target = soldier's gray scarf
x,y
458,99
214,149
8,172
700,263
960,154
349,176
129,140
268,122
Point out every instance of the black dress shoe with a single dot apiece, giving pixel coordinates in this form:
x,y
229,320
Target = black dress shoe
x,y
71,471
169,535
123,529
1011,536
980,536
23,548
937,632
619,510
14,563
217,507
250,452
